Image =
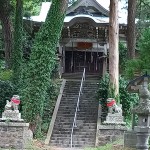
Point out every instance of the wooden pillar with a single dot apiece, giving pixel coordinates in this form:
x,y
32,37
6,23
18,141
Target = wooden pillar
x,y
60,61
63,58
105,61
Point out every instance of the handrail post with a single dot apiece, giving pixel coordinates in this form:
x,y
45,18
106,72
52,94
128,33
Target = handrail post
x,y
77,108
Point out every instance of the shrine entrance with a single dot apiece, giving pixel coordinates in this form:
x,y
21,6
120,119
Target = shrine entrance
x,y
76,61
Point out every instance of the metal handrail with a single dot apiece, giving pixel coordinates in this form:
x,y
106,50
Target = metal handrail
x,y
77,108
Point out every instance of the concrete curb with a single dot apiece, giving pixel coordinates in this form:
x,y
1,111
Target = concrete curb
x,y
55,113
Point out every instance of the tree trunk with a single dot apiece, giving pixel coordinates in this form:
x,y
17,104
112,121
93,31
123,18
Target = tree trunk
x,y
7,35
6,29
113,47
131,35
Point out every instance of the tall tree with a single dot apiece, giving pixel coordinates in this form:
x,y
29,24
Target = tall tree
x,y
41,64
17,49
131,28
5,11
113,47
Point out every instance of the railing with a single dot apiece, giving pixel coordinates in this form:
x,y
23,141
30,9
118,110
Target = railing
x,y
77,108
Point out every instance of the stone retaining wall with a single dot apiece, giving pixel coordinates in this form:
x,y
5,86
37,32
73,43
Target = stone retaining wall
x,y
14,135
109,133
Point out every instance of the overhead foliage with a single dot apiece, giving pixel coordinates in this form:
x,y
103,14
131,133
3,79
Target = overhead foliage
x,y
126,99
143,13
41,64
122,56
141,64
17,49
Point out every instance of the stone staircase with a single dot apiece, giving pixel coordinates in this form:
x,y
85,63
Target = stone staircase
x,y
85,132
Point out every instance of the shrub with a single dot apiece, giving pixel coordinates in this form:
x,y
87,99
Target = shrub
x,y
126,99
5,75
6,92
142,63
49,104
122,56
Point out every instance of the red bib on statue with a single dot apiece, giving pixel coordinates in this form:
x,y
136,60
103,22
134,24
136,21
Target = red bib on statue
x,y
110,104
16,101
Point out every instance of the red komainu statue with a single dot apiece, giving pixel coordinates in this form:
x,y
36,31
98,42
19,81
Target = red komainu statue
x,y
13,104
112,106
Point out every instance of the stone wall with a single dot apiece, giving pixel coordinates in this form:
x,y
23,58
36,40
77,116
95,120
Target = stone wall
x,y
14,135
109,133
130,139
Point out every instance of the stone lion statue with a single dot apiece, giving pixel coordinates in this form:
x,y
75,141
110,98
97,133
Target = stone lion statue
x,y
13,103
113,107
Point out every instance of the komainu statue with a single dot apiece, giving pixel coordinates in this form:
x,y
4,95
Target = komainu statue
x,y
113,107
13,104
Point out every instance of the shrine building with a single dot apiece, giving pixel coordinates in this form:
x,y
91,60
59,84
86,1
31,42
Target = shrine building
x,y
84,39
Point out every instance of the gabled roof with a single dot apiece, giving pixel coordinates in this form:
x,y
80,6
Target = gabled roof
x,y
137,81
87,3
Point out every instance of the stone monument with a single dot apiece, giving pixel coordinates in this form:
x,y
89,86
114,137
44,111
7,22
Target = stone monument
x,y
139,135
11,111
14,132
114,115
113,128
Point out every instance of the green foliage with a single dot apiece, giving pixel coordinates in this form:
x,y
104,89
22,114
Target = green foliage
x,y
41,64
110,146
72,2
133,66
17,49
49,104
122,56
5,75
143,16
126,99
142,63
103,93
32,7
6,92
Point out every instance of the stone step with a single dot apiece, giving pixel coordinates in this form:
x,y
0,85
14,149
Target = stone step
x,y
55,136
68,133
85,132
71,113
66,145
81,123
67,130
68,113
82,101
81,119
67,126
75,141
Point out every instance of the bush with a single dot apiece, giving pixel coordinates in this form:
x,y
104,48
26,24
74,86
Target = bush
x,y
49,104
142,63
6,92
122,56
6,75
126,99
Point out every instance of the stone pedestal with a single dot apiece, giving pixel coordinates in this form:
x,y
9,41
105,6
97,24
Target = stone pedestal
x,y
109,133
115,118
15,135
142,133
130,139
11,115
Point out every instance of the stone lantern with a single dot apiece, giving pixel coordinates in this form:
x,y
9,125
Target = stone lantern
x,y
142,129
